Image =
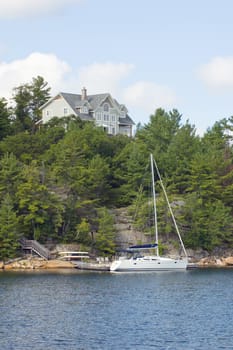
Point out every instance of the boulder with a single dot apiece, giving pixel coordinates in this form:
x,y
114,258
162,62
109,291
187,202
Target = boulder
x,y
229,261
23,264
37,263
220,262
57,264
209,262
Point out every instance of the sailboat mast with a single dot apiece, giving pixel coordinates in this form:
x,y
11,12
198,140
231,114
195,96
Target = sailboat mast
x,y
170,209
154,204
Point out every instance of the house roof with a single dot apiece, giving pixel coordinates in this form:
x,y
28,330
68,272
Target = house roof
x,y
93,102
126,120
75,101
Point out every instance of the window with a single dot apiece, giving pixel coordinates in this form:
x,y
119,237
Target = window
x,y
47,112
106,117
113,118
84,109
65,111
98,116
113,131
106,107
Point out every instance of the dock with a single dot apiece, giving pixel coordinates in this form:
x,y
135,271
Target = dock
x,y
92,266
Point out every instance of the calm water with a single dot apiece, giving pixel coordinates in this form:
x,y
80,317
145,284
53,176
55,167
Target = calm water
x,y
73,310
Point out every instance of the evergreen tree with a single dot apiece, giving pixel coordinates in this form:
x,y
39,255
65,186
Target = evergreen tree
x,y
10,175
158,133
5,121
29,98
105,236
40,210
208,223
9,234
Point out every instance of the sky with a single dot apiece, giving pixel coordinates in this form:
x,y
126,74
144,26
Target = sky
x,y
147,54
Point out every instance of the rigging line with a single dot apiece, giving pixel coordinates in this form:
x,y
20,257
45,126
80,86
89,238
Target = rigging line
x,y
169,206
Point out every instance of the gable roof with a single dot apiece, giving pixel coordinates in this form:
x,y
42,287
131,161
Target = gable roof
x,y
92,102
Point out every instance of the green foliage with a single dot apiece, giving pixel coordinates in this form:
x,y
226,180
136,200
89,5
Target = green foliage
x,y
28,99
83,232
208,223
183,147
5,121
57,180
9,234
129,168
158,134
39,210
105,236
10,174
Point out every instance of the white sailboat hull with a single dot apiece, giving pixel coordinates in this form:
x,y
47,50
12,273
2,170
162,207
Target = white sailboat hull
x,y
149,263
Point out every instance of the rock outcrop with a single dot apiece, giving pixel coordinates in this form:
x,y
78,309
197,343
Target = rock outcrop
x,y
37,263
212,261
126,235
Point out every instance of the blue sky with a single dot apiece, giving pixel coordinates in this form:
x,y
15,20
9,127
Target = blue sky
x,y
147,54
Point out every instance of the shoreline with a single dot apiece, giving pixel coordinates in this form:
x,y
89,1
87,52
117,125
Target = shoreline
x,y
33,263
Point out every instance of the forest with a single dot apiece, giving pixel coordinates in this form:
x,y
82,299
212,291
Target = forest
x,y
60,180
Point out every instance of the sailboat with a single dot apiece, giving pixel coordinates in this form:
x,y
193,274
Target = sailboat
x,y
140,262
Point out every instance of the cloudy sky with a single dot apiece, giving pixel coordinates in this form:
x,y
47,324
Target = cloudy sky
x,y
147,54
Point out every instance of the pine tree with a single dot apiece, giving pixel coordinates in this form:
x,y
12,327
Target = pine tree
x,y
105,236
9,234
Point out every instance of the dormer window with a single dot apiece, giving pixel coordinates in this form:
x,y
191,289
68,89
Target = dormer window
x,y
106,107
84,109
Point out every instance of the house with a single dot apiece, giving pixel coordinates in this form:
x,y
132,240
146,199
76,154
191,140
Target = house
x,y
100,108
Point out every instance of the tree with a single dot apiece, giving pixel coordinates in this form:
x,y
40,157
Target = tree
x,y
9,234
28,99
207,223
158,133
217,143
83,230
40,210
5,121
40,93
105,236
95,184
129,167
22,99
181,150
10,175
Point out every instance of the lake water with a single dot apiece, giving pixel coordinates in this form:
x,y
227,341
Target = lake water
x,y
80,310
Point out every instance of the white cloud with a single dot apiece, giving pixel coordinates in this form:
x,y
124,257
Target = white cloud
x,y
148,96
22,71
104,77
218,73
24,8
97,78
109,77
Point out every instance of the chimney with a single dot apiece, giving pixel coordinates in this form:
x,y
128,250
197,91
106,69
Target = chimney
x,y
84,94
